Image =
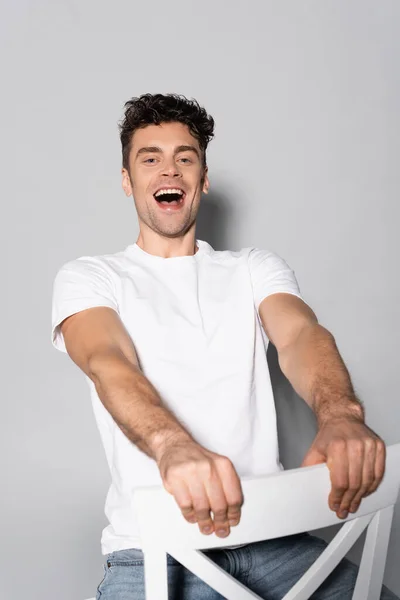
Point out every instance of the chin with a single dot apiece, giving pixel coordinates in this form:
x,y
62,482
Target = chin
x,y
173,231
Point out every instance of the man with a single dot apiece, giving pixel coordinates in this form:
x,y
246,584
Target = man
x,y
172,337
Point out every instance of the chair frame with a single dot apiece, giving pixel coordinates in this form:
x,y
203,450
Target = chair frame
x,y
271,510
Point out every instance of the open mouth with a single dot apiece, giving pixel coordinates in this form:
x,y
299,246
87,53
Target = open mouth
x,y
170,197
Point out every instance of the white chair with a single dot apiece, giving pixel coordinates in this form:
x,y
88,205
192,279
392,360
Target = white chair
x,y
286,503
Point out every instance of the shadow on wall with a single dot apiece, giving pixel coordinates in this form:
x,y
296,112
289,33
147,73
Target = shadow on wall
x,y
214,219
297,425
296,421
297,428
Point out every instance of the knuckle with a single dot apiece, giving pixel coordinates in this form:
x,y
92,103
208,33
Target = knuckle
x,y
190,518
357,445
203,514
223,459
354,487
220,513
223,463
340,487
205,468
347,497
193,465
185,508
175,472
380,446
338,444
206,523
335,499
370,444
368,482
361,493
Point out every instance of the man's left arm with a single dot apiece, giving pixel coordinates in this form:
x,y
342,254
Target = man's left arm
x,y
309,358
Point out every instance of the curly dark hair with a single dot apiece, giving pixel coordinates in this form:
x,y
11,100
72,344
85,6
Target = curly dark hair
x,y
154,109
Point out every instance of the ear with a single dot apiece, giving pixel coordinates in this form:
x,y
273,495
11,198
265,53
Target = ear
x,y
126,182
206,182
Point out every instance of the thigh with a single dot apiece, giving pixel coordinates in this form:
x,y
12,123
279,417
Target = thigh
x,y
124,578
276,565
187,586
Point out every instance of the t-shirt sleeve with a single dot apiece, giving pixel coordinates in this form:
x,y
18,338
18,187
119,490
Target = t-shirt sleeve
x,y
271,274
79,284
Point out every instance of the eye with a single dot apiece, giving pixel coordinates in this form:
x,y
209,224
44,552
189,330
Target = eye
x,y
188,159
147,160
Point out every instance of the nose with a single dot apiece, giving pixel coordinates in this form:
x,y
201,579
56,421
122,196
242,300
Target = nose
x,y
170,169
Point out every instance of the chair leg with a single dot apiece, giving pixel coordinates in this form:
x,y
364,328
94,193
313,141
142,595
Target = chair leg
x,y
155,575
372,567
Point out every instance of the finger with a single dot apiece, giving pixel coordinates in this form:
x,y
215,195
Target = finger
x,y
201,506
337,462
355,454
368,475
183,498
380,464
234,514
219,506
233,492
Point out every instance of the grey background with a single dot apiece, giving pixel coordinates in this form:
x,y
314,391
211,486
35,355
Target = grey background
x,y
305,162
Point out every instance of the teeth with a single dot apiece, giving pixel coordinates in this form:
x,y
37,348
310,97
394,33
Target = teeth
x,y
169,191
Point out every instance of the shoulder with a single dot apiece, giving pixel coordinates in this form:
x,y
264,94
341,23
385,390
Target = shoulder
x,y
105,266
256,259
225,255
260,259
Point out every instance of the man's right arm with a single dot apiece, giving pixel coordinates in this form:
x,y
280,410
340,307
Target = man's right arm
x,y
200,480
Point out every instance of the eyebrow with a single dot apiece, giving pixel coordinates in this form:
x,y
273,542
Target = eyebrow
x,y
156,149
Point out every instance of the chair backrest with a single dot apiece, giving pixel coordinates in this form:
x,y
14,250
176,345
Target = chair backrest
x,y
277,505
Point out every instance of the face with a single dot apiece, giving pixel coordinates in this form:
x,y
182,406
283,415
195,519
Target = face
x,y
166,157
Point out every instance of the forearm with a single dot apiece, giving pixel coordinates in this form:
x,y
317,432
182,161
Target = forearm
x,y
135,404
317,372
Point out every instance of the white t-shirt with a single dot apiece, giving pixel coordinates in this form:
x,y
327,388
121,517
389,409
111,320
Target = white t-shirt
x,y
196,330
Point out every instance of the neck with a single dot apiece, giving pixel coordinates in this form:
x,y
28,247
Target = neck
x,y
166,247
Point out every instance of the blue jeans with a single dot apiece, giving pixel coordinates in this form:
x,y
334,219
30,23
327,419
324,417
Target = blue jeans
x,y
267,568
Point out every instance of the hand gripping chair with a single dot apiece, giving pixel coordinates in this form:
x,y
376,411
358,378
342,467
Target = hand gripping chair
x,y
277,505
282,504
